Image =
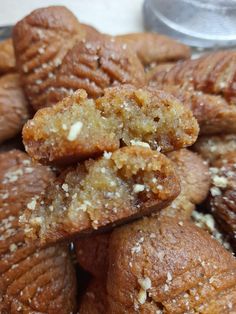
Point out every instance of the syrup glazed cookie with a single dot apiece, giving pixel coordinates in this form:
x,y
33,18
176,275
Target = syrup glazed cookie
x,y
41,41
154,48
206,86
132,182
154,268
32,279
92,251
53,65
222,200
95,64
212,148
78,128
7,56
194,180
13,107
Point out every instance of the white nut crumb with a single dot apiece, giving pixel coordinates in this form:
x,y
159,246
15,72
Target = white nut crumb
x,y
74,130
13,247
142,296
145,283
65,187
215,191
138,188
219,181
139,143
169,276
31,205
107,155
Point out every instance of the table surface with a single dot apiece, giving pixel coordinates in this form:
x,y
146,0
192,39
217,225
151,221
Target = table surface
x,y
110,16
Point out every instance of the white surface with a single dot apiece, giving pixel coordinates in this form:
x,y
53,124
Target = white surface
x,y
111,16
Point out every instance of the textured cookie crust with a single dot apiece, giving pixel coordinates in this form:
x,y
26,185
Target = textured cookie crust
x,y
153,266
7,56
14,110
155,48
41,41
32,279
213,147
205,85
223,193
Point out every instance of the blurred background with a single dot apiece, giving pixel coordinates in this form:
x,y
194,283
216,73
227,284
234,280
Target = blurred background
x,y
113,16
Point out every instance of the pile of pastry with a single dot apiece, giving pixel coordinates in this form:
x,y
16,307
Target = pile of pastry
x,y
121,198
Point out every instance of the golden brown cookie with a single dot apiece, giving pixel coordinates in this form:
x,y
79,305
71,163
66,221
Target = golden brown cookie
x,y
164,266
96,64
194,180
53,65
194,177
213,73
78,127
32,279
223,193
129,183
214,114
155,48
206,86
41,41
14,110
213,147
7,56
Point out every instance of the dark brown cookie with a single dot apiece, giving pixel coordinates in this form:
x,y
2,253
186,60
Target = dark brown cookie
x,y
160,265
32,279
14,111
7,56
155,48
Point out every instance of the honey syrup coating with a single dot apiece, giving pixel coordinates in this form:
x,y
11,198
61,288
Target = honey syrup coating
x,y
14,111
32,279
7,56
78,128
41,40
212,148
92,251
131,182
154,268
222,200
155,48
206,86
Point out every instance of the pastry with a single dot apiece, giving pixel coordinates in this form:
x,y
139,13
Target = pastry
x,y
162,265
118,187
78,127
206,86
7,56
41,41
32,279
14,111
212,148
223,193
155,48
